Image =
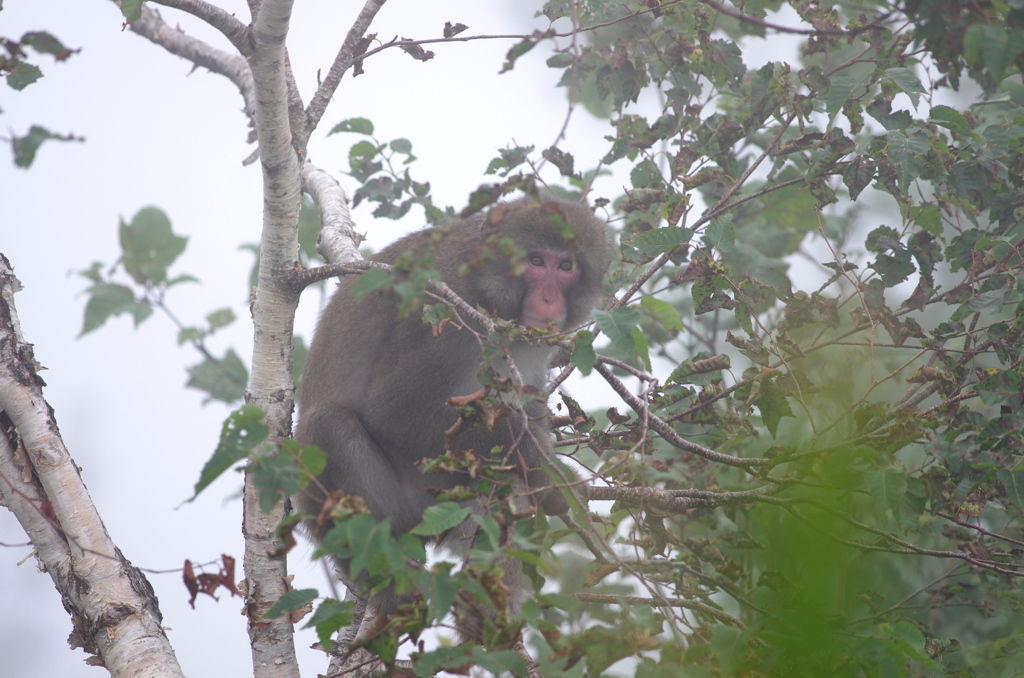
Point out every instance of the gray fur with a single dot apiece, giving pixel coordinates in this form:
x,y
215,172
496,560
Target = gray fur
x,y
375,386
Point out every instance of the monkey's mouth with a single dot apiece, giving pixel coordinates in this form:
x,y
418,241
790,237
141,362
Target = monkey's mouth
x,y
544,323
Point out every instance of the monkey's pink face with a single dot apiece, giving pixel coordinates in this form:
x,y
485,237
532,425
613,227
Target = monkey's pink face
x,y
549,273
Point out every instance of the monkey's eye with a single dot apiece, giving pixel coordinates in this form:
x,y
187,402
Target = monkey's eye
x,y
536,260
566,265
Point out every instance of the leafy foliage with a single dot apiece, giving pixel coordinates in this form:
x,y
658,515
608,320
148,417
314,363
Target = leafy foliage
x,y
373,164
19,74
242,433
818,292
829,434
149,247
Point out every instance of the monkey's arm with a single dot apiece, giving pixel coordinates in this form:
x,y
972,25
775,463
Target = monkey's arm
x,y
356,465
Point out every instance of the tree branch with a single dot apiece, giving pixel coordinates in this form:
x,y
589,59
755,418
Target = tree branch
x,y
232,66
346,56
655,602
669,433
234,30
678,501
338,241
270,385
111,601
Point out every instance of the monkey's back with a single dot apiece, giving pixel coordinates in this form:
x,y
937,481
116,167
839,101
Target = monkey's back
x,y
361,359
375,388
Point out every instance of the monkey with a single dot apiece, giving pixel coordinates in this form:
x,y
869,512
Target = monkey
x,y
374,392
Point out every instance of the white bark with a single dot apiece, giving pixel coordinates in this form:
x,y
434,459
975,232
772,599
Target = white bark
x,y
232,66
338,241
270,386
112,605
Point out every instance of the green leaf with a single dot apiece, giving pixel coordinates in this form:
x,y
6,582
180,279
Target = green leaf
x,y
902,152
330,616
991,301
1003,387
188,334
440,518
467,654
183,278
930,219
993,47
403,146
517,50
699,365
583,356
489,535
653,243
275,477
224,380
149,246
45,43
25,147
646,175
720,233
773,278
563,161
363,159
356,125
22,74
370,281
950,118
601,646
220,318
369,546
312,459
107,300
840,89
1013,483
291,601
893,262
561,601
905,79
507,160
773,405
794,207
618,325
887,487
131,10
909,641
440,589
663,312
858,175
727,645
243,430
640,346
701,292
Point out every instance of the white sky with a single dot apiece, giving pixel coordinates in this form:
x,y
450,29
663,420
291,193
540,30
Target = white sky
x,y
158,135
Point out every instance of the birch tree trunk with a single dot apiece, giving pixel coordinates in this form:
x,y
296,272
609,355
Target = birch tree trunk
x,y
113,609
112,606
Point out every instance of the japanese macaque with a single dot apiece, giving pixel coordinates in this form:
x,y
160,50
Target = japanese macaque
x,y
376,385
